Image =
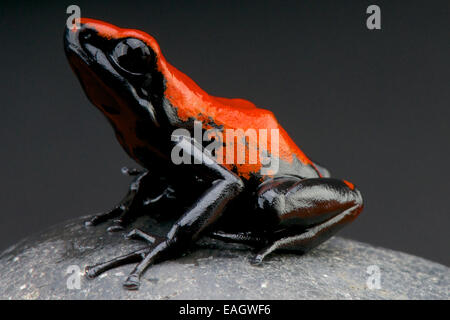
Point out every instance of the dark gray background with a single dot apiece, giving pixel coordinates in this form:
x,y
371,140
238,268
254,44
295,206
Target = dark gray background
x,y
373,106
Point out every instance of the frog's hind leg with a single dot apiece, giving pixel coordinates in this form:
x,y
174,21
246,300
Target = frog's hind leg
x,y
310,211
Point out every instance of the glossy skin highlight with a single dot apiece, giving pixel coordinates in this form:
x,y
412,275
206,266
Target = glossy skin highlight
x,y
126,76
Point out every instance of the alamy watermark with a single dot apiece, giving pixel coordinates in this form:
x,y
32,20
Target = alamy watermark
x,y
229,146
73,21
373,22
373,281
73,281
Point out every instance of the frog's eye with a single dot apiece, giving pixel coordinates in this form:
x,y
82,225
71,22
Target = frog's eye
x,y
133,55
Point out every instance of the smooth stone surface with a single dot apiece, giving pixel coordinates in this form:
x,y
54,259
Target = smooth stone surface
x,y
36,268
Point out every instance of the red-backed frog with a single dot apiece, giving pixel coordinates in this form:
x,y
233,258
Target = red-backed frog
x,y
295,205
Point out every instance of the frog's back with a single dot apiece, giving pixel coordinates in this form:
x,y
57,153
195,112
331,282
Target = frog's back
x,y
246,128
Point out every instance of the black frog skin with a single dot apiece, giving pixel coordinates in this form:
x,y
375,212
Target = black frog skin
x,y
125,75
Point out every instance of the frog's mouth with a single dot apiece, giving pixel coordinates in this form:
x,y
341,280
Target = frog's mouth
x,y
100,77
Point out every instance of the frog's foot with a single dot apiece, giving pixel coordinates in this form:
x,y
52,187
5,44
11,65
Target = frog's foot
x,y
132,281
144,192
123,212
96,270
120,216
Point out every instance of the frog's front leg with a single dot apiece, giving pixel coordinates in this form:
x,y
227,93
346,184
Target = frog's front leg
x,y
134,201
309,211
224,186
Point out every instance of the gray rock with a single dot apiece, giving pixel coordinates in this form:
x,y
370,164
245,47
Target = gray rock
x,y
36,268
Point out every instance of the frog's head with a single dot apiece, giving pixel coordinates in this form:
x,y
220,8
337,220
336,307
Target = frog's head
x,y
118,68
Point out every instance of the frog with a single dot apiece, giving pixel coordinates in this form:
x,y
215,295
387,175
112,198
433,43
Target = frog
x,y
295,207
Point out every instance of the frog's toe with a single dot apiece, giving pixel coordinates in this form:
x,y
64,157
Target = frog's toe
x,y
118,225
256,260
95,220
131,171
132,283
91,272
140,235
88,223
104,216
115,228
